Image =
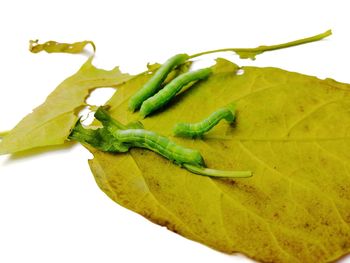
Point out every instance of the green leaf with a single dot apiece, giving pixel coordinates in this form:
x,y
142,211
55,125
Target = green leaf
x,y
291,130
50,123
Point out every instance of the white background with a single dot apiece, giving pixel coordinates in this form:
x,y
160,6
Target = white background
x,y
51,209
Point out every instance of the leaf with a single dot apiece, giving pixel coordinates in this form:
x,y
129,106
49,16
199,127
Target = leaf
x,y
51,122
56,47
292,131
3,134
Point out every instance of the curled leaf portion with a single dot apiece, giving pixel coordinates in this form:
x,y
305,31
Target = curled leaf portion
x,y
56,47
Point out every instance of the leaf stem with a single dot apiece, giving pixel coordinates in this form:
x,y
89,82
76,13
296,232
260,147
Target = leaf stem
x,y
217,173
252,52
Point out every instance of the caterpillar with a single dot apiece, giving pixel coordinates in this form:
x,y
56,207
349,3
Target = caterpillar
x,y
188,158
159,144
170,90
151,86
199,128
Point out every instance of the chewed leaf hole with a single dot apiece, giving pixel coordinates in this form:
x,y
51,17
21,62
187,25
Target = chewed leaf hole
x,y
97,97
100,96
87,116
202,63
240,71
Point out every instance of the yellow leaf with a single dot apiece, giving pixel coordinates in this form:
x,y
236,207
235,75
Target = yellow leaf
x,y
292,131
3,134
50,123
56,47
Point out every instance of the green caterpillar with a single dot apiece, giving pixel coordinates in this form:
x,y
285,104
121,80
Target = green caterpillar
x,y
199,128
151,87
170,90
188,158
159,144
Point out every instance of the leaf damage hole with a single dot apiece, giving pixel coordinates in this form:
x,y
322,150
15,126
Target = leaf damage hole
x,y
202,63
240,72
97,97
100,96
87,116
